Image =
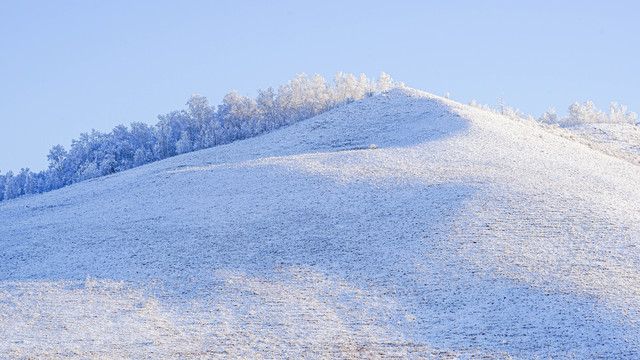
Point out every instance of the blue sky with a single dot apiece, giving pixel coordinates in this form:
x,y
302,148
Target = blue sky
x,y
70,66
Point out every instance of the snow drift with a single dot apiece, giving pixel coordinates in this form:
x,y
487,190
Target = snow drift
x,y
401,225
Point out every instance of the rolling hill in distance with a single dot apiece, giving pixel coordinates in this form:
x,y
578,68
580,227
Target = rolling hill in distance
x,y
403,225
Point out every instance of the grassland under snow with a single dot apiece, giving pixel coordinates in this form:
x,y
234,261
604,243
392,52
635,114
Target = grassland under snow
x,y
404,225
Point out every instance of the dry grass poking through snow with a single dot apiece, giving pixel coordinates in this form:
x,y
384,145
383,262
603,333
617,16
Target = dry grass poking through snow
x,y
300,315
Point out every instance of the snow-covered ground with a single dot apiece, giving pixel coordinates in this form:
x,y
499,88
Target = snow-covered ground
x,y
401,226
620,140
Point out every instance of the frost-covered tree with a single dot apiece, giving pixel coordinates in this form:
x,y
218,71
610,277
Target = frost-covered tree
x,y
108,164
267,109
346,87
56,177
322,94
184,144
385,82
13,186
88,171
198,110
302,103
168,131
31,185
512,113
365,87
3,182
90,147
119,143
143,141
583,114
202,126
549,117
232,112
484,107
140,157
621,115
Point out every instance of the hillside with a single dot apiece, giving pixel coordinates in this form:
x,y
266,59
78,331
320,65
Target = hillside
x,y
404,225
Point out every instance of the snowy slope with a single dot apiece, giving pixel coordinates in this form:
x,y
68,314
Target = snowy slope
x,y
404,225
619,140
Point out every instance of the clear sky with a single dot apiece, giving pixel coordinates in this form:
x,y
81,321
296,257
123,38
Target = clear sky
x,y
69,66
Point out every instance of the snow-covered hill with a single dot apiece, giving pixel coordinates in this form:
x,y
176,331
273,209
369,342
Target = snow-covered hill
x,y
619,140
404,225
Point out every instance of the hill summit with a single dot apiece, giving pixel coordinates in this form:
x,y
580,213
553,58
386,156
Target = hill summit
x,y
403,225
